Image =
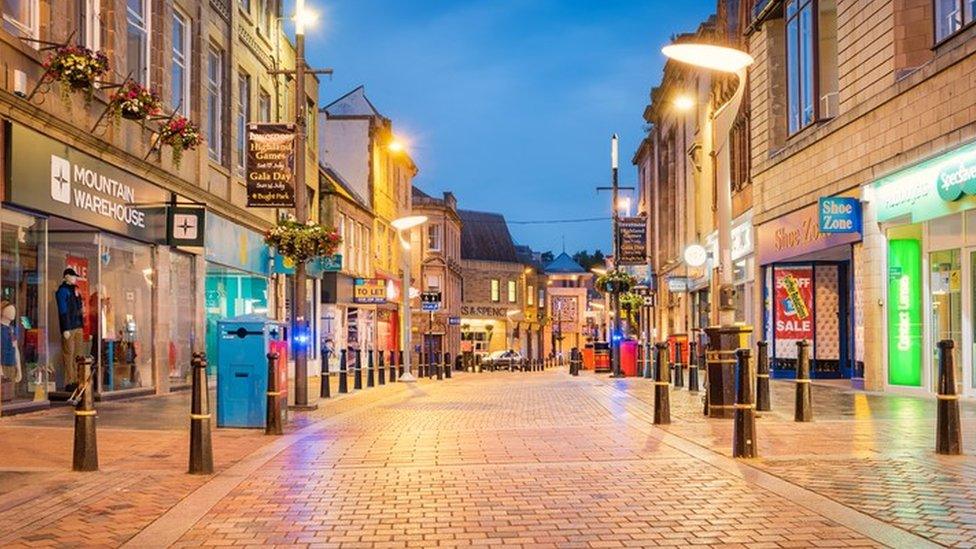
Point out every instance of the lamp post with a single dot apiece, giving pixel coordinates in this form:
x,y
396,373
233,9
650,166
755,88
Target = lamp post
x,y
725,338
402,225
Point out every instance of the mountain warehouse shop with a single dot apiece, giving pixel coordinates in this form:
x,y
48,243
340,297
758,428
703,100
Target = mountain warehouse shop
x,y
80,260
927,216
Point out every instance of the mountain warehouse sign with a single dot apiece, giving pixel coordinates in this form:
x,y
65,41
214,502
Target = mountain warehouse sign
x,y
51,177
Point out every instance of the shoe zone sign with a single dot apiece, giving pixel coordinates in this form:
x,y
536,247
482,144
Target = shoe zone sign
x,y
839,214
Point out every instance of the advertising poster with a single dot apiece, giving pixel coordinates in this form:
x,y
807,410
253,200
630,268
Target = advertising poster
x,y
633,241
270,166
794,307
905,312
80,265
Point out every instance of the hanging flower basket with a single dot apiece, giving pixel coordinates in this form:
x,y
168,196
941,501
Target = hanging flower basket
x,y
301,242
77,68
615,282
133,101
181,135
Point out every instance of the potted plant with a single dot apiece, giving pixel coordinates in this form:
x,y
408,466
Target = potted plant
x,y
181,135
301,242
76,68
133,101
615,281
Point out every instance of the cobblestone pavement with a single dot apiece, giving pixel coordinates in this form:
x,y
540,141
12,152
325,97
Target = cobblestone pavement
x,y
513,459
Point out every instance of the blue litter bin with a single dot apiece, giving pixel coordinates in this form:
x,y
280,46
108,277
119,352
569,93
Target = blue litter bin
x,y
242,369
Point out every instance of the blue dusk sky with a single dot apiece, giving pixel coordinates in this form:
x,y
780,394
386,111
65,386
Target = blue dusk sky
x,y
510,104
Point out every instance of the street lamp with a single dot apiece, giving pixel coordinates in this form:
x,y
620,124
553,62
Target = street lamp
x,y
684,103
402,225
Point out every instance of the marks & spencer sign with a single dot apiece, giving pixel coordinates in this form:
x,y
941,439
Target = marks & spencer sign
x,y
51,177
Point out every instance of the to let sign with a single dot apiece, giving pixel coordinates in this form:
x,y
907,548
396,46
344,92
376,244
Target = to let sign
x,y
271,166
369,290
839,214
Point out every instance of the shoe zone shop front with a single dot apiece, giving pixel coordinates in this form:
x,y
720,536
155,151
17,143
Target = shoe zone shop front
x,y
80,243
926,214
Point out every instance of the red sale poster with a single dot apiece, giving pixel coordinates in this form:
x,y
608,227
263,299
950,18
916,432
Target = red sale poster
x,y
80,265
794,303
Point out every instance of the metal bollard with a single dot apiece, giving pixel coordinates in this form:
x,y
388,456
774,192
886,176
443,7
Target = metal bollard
x,y
85,454
662,397
693,384
393,370
325,390
201,442
272,421
357,378
421,365
439,366
381,368
679,366
762,377
370,368
948,435
447,365
744,414
400,366
343,373
803,410
703,368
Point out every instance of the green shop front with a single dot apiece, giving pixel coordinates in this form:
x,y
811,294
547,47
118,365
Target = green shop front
x,y
927,215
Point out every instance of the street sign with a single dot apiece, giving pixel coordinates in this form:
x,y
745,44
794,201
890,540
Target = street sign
x,y
677,284
429,306
430,301
454,320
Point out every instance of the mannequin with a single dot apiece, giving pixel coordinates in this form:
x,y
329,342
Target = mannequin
x,y
9,350
71,308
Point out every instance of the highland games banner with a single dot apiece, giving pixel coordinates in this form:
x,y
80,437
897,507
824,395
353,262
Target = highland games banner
x,y
271,166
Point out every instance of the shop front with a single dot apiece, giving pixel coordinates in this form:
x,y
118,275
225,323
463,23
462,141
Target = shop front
x,y
82,241
358,314
486,329
927,219
808,288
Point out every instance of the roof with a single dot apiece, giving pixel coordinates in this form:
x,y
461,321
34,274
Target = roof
x,y
563,264
354,103
485,237
333,182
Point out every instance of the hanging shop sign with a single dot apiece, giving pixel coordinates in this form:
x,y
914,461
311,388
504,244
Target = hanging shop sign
x,y
839,214
270,165
677,284
794,307
905,312
233,245
940,186
741,238
369,290
632,243
185,226
52,177
315,267
797,234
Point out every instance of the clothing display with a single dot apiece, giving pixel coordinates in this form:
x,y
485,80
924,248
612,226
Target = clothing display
x,y
70,307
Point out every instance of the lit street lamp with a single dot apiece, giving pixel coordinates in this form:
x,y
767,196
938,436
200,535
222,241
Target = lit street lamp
x,y
403,225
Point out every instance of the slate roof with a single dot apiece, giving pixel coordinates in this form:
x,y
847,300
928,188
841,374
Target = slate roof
x,y
564,264
354,103
485,237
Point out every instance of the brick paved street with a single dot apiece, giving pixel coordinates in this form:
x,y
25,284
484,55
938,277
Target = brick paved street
x,y
527,459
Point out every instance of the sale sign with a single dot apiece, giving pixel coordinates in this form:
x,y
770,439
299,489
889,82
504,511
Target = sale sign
x,y
794,307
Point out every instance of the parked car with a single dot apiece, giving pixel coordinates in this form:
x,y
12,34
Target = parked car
x,y
503,360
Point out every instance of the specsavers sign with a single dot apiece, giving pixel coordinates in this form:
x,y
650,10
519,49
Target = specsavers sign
x,y
941,186
51,177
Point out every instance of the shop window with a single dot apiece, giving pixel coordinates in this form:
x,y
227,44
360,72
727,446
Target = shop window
x,y
945,287
229,293
951,16
137,40
180,81
20,17
182,332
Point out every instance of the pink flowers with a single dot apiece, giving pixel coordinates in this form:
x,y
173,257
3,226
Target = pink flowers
x,y
136,102
180,134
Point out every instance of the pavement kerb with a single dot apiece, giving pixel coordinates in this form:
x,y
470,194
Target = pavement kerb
x,y
169,527
826,507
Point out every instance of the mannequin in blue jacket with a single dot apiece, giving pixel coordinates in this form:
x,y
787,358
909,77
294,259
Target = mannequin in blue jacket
x,y
71,317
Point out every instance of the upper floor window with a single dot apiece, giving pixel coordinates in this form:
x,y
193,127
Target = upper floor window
x,y
137,40
180,81
243,112
434,240
811,61
215,77
952,15
89,23
433,282
511,291
20,17
264,106
530,296
495,290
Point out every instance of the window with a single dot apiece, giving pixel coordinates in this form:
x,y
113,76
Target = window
x,y
739,148
511,291
434,237
180,83
433,282
530,296
137,40
542,297
264,17
215,77
243,113
341,225
495,290
950,16
20,17
246,6
799,63
264,106
89,23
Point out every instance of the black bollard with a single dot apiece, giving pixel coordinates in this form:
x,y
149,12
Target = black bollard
x,y
370,368
948,435
381,368
703,368
85,455
325,389
393,370
421,365
400,366
439,366
357,379
693,367
272,421
744,415
343,373
201,442
447,365
762,377
679,366
803,409
433,362
662,397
